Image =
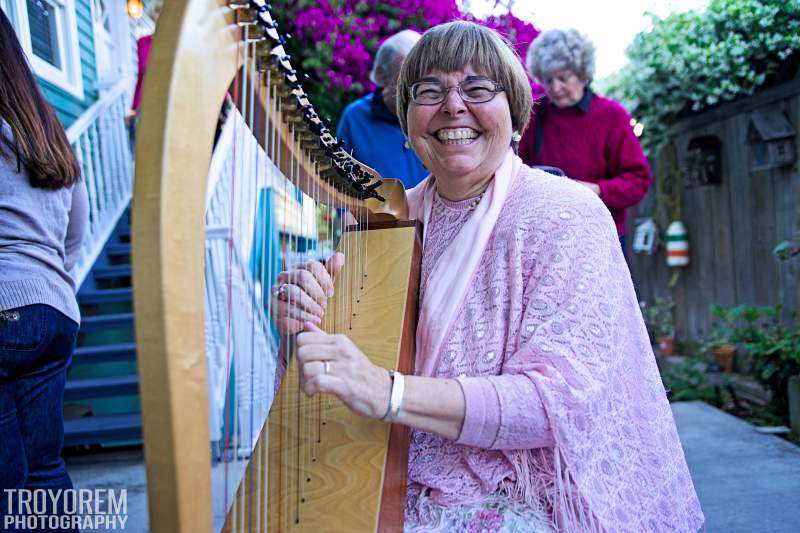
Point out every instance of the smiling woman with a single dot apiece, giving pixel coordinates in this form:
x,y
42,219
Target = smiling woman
x,y
536,404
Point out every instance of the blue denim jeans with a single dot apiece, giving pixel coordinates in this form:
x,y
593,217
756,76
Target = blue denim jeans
x,y
36,345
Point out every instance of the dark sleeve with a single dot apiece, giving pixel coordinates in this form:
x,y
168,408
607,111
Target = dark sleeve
x,y
630,174
526,144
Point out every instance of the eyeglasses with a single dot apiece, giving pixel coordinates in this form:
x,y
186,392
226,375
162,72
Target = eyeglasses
x,y
473,91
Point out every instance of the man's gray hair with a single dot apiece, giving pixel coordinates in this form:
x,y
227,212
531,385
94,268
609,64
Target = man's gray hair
x,y
561,50
398,45
450,47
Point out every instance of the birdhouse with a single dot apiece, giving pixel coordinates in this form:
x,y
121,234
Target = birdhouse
x,y
772,140
703,161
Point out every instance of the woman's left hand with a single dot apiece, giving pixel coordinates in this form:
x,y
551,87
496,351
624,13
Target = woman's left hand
x,y
333,364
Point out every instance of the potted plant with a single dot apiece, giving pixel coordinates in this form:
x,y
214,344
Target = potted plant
x,y
721,344
660,322
773,347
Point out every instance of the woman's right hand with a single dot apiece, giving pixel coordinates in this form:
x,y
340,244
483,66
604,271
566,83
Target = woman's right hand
x,y
301,295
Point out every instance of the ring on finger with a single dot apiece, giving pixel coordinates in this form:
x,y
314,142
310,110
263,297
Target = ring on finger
x,y
326,369
280,290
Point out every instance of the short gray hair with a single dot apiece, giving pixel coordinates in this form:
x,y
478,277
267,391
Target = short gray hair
x,y
398,45
561,50
450,47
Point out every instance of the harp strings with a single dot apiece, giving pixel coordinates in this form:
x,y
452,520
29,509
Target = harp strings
x,y
268,213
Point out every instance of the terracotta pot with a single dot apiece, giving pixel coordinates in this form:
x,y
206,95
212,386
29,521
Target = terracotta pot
x,y
666,346
723,356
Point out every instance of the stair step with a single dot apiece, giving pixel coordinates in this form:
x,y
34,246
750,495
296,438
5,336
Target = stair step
x,y
104,353
111,272
123,231
104,296
118,249
118,320
81,389
97,429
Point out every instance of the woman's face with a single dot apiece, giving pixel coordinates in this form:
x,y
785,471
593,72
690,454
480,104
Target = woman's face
x,y
461,143
564,88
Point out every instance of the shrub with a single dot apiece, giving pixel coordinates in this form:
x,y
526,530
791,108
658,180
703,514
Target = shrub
x,y
693,60
774,347
334,41
685,381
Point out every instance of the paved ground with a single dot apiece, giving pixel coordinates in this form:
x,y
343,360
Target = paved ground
x,y
747,482
115,470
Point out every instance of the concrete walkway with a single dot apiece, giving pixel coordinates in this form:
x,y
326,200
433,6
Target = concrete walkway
x,y
747,482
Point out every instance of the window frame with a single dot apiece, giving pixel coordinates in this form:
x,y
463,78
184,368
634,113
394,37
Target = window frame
x,y
69,77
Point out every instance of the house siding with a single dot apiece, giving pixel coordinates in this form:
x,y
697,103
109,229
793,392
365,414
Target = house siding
x,y
68,107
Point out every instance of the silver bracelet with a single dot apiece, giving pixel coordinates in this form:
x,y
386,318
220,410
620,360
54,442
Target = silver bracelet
x,y
395,397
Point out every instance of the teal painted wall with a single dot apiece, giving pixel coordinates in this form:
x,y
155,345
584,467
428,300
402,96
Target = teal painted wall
x,y
67,106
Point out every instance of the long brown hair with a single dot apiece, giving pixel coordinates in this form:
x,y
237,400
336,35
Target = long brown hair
x,y
39,141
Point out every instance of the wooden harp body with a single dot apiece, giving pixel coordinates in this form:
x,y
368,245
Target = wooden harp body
x,y
335,472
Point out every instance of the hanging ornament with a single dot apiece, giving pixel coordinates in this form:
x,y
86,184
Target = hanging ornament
x,y
644,237
677,245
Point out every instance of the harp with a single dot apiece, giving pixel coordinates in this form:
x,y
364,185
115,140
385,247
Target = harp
x,y
313,465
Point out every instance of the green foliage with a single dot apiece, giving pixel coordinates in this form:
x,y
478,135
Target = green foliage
x,y
774,347
659,317
692,60
685,381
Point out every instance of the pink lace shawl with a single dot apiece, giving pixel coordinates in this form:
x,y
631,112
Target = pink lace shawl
x,y
531,307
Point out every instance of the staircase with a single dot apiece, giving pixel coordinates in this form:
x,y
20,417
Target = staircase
x,y
101,399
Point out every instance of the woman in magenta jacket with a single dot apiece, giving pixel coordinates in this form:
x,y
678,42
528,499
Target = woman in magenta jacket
x,y
584,134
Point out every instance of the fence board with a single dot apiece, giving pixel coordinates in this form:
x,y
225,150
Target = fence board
x,y
733,226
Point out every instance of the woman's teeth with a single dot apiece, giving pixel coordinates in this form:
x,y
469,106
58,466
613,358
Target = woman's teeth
x,y
457,136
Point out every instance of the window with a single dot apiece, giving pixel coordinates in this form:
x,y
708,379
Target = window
x,y
48,32
43,26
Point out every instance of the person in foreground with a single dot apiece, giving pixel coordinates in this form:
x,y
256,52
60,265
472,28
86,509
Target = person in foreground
x,y
43,214
586,135
536,403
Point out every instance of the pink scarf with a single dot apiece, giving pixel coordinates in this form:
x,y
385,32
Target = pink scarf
x,y
447,285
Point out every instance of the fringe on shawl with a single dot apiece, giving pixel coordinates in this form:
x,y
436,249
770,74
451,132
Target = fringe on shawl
x,y
549,485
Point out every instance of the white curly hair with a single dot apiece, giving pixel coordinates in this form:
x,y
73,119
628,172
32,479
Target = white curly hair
x,y
556,50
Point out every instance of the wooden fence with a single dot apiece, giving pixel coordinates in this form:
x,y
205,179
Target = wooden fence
x,y
733,224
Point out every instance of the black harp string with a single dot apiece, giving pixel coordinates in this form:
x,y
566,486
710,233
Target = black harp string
x,y
257,324
240,511
285,436
298,231
252,151
262,220
268,233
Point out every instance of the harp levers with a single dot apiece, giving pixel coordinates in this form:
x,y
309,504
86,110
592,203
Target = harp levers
x,y
209,238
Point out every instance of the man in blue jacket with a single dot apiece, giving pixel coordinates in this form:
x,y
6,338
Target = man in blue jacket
x,y
369,127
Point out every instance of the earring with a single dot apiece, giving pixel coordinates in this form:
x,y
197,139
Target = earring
x,y
516,137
